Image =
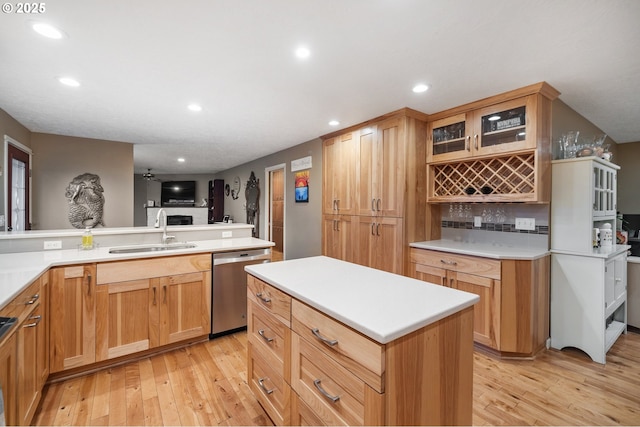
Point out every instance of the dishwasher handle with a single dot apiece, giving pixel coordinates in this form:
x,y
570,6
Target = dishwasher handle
x,y
242,256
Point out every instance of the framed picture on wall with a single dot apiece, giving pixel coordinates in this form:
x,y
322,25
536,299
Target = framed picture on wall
x,y
302,187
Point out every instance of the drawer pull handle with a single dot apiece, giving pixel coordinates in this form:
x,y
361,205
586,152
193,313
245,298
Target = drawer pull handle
x,y
261,384
33,299
334,399
261,333
265,300
448,262
327,341
37,319
154,296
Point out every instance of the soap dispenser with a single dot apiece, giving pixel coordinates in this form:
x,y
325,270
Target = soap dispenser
x,y
87,239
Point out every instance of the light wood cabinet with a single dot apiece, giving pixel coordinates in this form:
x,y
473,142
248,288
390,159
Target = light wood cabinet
x,y
153,309
493,150
338,236
387,179
31,345
8,367
379,243
339,154
381,168
269,348
334,375
512,316
72,317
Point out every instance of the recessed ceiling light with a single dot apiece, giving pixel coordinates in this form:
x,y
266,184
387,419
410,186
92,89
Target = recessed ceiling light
x,y
334,123
69,81
303,52
194,107
47,30
181,159
421,87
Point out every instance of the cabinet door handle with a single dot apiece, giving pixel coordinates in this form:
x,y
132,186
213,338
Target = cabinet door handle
x,y
373,224
261,333
475,141
451,282
373,205
316,332
443,281
338,205
264,299
448,262
33,299
468,144
261,383
37,319
337,225
334,205
378,205
154,296
334,399
377,229
164,288
89,284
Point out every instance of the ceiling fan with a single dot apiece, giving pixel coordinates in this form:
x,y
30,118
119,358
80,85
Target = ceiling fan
x,y
148,176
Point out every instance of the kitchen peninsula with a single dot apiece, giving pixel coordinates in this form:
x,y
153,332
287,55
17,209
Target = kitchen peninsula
x,y
338,343
75,310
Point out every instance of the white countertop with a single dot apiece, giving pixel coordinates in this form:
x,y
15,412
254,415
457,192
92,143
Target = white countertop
x,y
19,270
381,305
482,249
601,252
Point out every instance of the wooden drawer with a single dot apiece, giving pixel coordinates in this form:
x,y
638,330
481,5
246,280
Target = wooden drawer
x,y
25,302
359,354
465,264
333,393
271,299
268,385
302,415
269,335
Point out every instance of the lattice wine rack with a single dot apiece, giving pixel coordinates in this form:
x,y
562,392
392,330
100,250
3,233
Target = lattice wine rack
x,y
506,178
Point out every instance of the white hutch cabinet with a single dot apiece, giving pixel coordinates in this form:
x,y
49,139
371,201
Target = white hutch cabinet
x,y
588,285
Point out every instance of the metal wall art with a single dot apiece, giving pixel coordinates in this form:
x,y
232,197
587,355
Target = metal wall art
x,y
252,193
86,201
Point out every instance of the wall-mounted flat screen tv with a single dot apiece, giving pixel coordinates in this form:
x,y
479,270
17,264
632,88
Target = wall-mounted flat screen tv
x,y
178,193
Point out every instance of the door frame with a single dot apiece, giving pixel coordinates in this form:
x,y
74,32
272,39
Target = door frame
x,y
5,167
267,203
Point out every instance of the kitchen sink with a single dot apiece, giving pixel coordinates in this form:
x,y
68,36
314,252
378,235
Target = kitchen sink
x,y
151,248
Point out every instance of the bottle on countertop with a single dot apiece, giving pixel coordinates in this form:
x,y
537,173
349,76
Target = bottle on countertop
x,y
87,239
606,235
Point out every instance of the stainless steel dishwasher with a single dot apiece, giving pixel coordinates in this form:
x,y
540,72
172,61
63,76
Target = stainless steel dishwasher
x,y
229,289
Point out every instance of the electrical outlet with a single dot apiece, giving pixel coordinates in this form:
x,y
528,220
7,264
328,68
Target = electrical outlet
x,y
227,234
526,224
477,221
52,244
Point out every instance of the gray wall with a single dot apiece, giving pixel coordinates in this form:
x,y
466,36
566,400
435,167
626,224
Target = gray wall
x,y
303,221
628,158
58,159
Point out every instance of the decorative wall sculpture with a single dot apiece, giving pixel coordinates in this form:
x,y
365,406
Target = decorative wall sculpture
x,y
86,201
252,193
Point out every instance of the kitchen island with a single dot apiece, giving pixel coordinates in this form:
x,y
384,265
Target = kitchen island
x,y
339,343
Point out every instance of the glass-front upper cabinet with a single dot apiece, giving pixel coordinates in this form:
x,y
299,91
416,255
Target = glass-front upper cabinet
x,y
449,139
504,127
508,126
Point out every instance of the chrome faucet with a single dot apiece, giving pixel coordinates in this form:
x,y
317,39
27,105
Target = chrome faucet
x,y
165,237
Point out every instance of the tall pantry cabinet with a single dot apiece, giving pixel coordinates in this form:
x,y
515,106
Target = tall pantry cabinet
x,y
373,174
588,285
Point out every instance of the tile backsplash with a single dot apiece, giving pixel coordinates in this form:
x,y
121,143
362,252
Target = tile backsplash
x,y
494,217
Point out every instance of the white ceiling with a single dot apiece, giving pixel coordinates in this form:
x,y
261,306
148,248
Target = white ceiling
x,y
141,62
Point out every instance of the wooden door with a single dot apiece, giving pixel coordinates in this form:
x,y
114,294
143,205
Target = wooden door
x,y
486,313
18,187
8,379
389,177
72,317
366,165
126,317
277,210
389,251
184,306
29,342
426,273
337,237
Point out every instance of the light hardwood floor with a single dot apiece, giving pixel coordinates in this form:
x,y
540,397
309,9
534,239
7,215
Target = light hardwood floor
x,y
205,384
